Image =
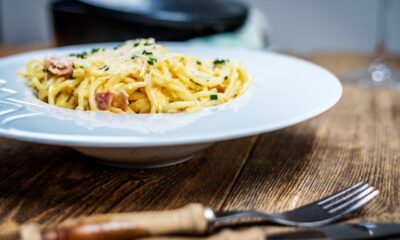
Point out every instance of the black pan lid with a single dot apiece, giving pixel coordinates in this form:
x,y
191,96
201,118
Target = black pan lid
x,y
198,14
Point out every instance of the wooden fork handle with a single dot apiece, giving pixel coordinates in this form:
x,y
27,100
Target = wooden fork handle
x,y
190,219
250,234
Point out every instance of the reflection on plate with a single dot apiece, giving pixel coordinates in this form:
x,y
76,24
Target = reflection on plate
x,y
285,91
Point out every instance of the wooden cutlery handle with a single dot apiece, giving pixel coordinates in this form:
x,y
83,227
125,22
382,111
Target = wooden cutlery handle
x,y
190,219
250,234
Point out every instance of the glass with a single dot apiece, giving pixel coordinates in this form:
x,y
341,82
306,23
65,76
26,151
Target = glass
x,y
379,73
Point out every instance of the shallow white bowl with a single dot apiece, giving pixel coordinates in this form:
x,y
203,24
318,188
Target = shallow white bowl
x,y
285,91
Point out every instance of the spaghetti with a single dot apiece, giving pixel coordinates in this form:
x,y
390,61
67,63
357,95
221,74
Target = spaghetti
x,y
139,76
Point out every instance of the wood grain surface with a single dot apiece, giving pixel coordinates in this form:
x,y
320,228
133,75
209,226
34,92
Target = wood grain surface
x,y
357,140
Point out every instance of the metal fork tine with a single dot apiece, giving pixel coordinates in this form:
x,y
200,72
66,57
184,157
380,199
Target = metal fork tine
x,y
359,197
341,193
320,212
346,197
359,203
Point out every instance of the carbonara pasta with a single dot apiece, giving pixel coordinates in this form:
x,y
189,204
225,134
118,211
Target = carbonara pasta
x,y
139,76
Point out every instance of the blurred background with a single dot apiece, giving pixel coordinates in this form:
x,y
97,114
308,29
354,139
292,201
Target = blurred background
x,y
303,26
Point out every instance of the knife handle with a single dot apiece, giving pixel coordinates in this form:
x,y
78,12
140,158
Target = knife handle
x,y
249,234
191,219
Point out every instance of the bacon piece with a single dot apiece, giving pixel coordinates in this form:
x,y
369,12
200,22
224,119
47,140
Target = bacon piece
x,y
221,88
120,101
103,100
59,66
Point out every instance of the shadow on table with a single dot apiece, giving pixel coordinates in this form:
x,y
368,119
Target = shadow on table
x,y
49,184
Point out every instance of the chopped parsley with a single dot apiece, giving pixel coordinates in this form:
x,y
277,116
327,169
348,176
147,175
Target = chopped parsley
x,y
214,97
80,55
151,61
146,53
105,68
198,62
226,78
136,44
95,50
148,43
219,61
118,46
133,57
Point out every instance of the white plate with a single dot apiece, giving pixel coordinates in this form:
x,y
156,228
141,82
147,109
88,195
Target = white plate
x,y
285,91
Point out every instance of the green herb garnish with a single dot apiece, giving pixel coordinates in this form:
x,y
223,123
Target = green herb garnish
x,y
136,44
151,61
95,50
116,47
105,68
146,53
148,43
214,97
80,55
133,57
219,61
226,78
198,62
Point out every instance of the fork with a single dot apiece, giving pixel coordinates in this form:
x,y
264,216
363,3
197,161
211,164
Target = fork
x,y
321,212
196,218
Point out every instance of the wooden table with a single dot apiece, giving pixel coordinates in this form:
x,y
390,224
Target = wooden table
x,y
357,140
